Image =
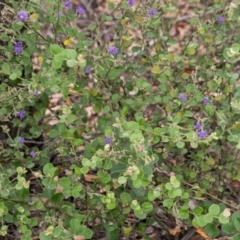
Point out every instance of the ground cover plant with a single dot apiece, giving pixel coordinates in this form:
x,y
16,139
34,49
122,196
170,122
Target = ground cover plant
x,y
163,150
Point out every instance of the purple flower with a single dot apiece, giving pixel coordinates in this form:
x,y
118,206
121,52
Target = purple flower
x,y
108,140
22,16
202,134
113,51
220,20
21,140
131,3
32,154
67,4
21,114
36,92
108,37
152,12
198,125
80,10
18,48
88,69
205,100
182,97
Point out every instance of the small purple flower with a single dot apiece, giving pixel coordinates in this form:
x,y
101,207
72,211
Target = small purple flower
x,y
113,51
205,100
220,20
18,48
202,134
21,114
21,140
36,92
88,69
108,140
108,37
152,12
80,10
182,97
198,125
67,4
22,16
32,154
131,3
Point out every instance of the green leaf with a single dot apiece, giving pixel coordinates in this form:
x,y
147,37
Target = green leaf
x,y
214,209
198,210
57,62
91,27
97,108
57,198
184,214
153,194
236,220
125,197
64,182
235,47
13,76
228,228
147,207
180,144
55,49
5,68
208,218
43,236
223,219
140,214
177,192
168,203
212,230
201,221
175,182
113,235
236,236
122,180
156,69
190,50
137,183
71,54
71,63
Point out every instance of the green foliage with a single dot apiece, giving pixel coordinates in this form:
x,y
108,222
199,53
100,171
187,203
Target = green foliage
x,y
145,151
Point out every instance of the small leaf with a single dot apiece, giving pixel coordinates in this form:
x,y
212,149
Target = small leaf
x,y
34,17
212,230
155,69
228,228
214,209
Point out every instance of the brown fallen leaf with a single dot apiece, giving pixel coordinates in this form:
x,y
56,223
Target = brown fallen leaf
x,y
90,177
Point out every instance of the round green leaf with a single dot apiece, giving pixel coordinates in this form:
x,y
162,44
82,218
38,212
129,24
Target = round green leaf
x,y
122,180
184,214
180,144
236,236
228,228
125,197
64,182
208,218
214,209
212,230
201,221
55,49
236,220
137,183
156,69
147,207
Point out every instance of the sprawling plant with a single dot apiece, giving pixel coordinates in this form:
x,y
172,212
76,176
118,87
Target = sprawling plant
x,y
165,134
